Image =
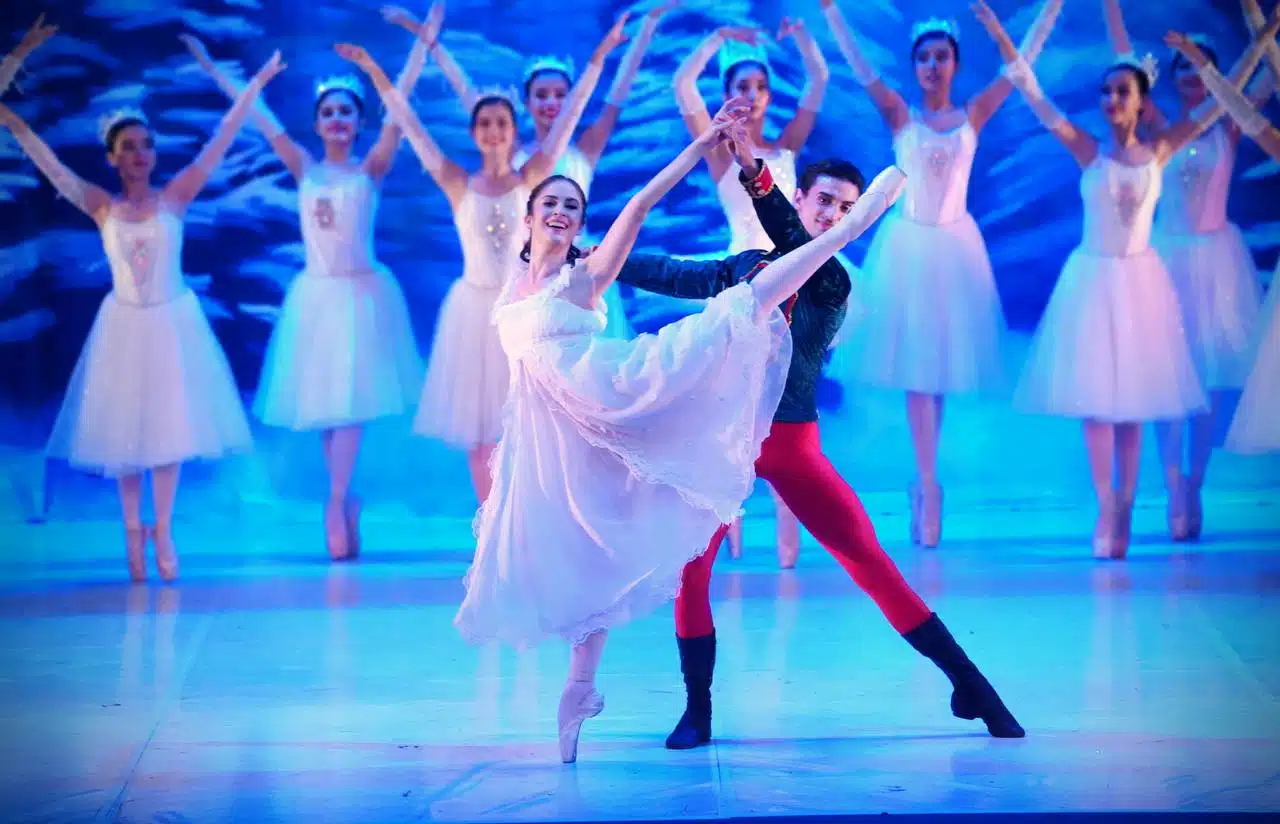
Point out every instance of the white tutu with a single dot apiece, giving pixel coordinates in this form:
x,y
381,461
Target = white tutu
x,y
1111,346
930,319
152,387
1256,425
1217,287
342,353
467,375
619,460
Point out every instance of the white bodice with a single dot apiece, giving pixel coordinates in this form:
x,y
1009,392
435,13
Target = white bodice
x,y
572,164
1196,183
145,257
938,166
745,231
491,230
337,208
525,323
1119,206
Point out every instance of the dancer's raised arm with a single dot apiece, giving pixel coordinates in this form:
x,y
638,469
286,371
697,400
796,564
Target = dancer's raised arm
x,y
32,40
1081,144
543,161
1242,111
93,200
596,136
893,109
187,184
453,73
983,105
449,176
1257,22
381,156
816,72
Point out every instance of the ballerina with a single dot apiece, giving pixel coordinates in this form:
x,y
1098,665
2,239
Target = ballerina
x,y
35,37
342,353
152,388
466,380
931,321
745,71
1212,270
547,84
1110,349
1256,425
604,434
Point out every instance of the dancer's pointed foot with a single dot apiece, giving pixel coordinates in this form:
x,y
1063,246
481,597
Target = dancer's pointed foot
x,y
335,531
166,552
135,547
578,702
351,516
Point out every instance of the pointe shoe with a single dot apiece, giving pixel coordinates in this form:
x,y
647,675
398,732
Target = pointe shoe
x,y
135,547
913,500
1178,514
335,532
1104,530
166,553
879,195
930,516
578,702
351,517
735,539
1123,530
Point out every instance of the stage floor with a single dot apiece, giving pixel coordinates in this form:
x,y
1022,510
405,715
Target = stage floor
x,y
271,686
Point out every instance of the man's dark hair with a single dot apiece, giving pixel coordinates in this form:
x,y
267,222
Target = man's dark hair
x,y
831,167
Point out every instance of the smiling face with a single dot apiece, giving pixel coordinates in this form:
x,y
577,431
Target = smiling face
x,y
132,151
545,94
493,127
826,202
935,59
1122,96
750,81
556,211
338,115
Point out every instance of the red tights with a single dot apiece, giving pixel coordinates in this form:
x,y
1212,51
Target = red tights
x,y
791,460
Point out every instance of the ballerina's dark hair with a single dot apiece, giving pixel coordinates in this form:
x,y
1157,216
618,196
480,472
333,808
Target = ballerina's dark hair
x,y
1139,76
732,72
936,35
356,100
489,100
119,126
574,252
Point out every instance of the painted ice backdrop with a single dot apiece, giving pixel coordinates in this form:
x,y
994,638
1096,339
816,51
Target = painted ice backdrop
x,y
242,235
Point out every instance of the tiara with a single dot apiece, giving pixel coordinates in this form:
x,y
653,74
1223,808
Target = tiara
x,y
733,52
935,25
113,118
340,82
508,93
1147,64
549,63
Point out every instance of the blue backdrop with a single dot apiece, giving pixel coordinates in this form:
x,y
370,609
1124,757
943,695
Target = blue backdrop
x,y
243,244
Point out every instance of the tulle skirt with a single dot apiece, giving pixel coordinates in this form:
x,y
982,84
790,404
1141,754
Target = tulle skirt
x,y
1217,287
1111,346
1256,425
930,319
152,387
618,462
467,375
342,353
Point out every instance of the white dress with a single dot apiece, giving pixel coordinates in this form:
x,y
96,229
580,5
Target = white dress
x,y
1256,425
152,386
574,165
466,381
619,460
1206,255
930,319
1111,346
343,351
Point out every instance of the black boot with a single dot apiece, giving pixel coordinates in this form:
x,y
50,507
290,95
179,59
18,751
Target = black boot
x,y
697,662
973,696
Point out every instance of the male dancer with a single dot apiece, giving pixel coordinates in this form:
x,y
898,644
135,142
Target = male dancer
x,y
791,458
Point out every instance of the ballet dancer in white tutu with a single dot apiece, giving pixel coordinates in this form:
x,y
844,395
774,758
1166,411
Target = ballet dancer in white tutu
x,y
1256,425
152,388
1110,348
342,353
1212,270
466,381
32,40
930,322
744,71
620,458
547,83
